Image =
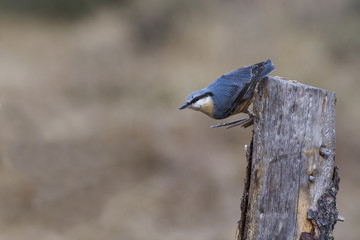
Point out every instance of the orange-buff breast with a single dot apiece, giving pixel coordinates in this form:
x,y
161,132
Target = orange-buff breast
x,y
208,108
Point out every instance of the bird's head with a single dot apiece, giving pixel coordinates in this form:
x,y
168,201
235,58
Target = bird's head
x,y
200,100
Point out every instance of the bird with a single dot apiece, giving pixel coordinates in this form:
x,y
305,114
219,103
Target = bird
x,y
230,94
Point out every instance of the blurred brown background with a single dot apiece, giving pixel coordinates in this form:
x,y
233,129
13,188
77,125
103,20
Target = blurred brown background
x,y
92,143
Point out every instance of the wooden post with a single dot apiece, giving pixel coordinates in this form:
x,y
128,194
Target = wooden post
x,y
291,185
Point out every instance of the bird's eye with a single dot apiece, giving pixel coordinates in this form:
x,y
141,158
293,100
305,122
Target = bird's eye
x,y
195,99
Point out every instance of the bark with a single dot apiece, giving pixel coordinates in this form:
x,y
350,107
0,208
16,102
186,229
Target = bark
x,y
291,185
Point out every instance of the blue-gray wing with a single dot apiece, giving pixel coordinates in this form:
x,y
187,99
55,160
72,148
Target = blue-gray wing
x,y
237,86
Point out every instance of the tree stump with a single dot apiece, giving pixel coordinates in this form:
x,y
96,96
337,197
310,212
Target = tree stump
x,y
291,184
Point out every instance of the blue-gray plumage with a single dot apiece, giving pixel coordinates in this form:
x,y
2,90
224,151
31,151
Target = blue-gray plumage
x,y
230,94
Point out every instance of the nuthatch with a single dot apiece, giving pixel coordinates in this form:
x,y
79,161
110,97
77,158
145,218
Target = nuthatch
x,y
230,94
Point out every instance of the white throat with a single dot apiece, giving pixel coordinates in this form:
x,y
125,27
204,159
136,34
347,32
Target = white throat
x,y
201,102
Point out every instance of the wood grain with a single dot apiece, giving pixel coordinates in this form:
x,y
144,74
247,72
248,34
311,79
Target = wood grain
x,y
292,160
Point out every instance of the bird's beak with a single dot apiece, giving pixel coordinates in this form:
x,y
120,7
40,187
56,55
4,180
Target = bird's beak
x,y
184,106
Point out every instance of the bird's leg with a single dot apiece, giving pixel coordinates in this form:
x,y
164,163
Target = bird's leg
x,y
238,122
245,122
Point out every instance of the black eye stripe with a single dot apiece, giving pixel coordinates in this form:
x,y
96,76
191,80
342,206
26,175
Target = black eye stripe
x,y
195,99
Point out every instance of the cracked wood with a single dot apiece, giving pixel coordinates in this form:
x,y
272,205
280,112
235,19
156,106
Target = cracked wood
x,y
292,159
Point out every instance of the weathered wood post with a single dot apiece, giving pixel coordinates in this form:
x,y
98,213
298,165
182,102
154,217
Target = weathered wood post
x,y
291,183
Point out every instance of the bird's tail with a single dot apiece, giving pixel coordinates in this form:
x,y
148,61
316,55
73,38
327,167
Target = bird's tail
x,y
259,71
262,69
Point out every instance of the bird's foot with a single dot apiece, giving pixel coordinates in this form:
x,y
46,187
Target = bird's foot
x,y
251,114
246,122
